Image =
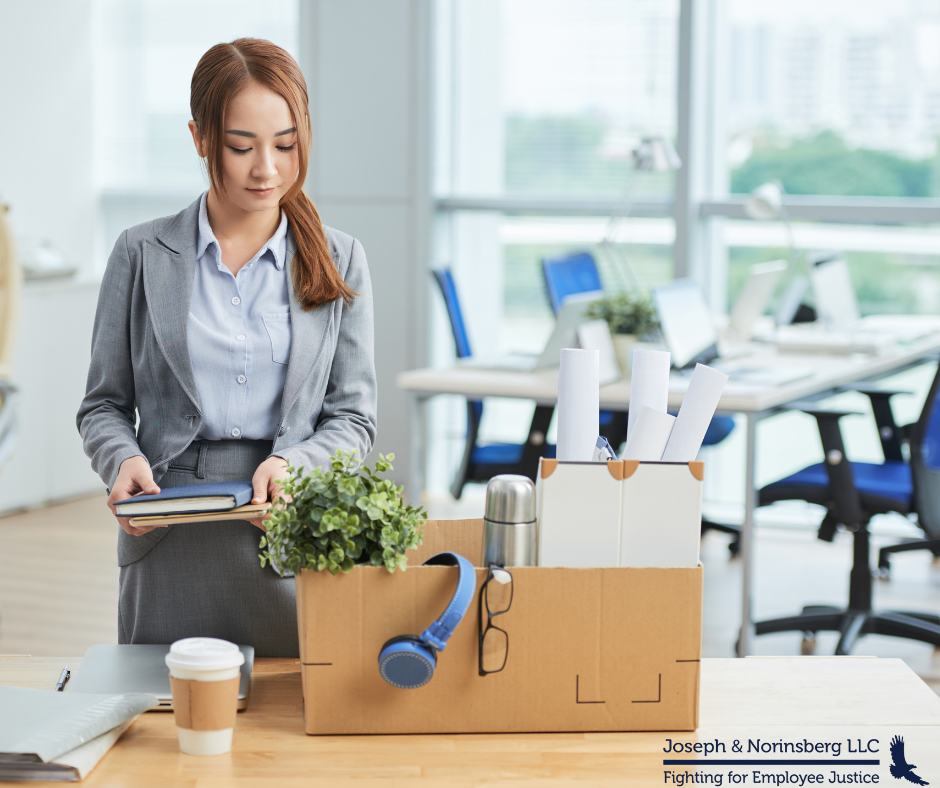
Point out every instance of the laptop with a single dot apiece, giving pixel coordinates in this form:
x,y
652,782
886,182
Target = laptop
x,y
754,297
690,335
112,669
565,334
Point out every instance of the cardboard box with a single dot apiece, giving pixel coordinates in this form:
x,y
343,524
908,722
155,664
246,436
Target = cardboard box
x,y
613,649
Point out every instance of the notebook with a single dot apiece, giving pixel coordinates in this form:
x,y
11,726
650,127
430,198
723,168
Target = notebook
x,y
38,726
73,766
190,499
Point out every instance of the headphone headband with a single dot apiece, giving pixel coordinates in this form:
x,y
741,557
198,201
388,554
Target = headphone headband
x,y
408,661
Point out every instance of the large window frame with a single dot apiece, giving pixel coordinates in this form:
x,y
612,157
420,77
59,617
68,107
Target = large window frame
x,y
702,200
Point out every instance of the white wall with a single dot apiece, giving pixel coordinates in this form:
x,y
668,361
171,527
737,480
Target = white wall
x,y
46,137
367,68
47,178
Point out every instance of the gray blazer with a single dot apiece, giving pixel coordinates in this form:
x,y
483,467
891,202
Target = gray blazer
x,y
140,361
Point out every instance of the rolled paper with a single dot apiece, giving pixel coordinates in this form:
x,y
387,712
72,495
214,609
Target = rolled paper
x,y
578,405
698,408
649,383
649,436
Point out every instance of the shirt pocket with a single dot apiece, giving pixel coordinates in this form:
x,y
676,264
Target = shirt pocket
x,y
278,328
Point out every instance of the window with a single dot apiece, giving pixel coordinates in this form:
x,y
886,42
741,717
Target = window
x,y
145,55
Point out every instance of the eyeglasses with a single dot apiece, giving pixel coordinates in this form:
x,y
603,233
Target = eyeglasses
x,y
497,599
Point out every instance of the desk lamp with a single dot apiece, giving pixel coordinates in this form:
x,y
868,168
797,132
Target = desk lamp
x,y
653,154
766,203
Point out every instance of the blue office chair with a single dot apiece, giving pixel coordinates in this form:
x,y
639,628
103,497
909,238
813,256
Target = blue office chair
x,y
853,492
577,273
482,461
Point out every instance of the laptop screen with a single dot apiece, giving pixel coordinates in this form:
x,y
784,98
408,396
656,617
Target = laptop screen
x,y
686,321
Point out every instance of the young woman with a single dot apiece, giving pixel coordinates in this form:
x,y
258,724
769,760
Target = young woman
x,y
229,339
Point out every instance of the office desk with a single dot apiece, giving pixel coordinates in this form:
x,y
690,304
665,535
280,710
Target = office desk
x,y
817,698
829,373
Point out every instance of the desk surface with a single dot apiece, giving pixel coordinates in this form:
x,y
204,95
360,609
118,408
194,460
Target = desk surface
x,y
817,698
828,372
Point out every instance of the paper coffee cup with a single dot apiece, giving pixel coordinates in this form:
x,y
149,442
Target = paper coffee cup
x,y
204,677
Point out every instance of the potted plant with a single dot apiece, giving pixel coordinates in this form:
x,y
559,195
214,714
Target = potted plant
x,y
341,517
631,318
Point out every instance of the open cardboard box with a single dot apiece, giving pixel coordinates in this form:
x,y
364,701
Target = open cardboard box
x,y
613,649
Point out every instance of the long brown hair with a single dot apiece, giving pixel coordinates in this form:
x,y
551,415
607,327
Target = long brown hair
x,y
221,74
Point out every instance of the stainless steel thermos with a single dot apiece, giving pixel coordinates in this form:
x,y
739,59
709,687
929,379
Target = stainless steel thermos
x,y
510,530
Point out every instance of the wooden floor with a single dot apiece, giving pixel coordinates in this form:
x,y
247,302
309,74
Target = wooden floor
x,y
58,585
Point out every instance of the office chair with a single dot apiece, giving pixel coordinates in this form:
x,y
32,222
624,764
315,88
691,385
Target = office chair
x,y
482,461
577,273
853,492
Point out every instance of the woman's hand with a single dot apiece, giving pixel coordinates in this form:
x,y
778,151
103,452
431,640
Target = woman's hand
x,y
265,485
134,477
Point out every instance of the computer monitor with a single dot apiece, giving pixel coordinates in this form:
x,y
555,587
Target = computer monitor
x,y
686,323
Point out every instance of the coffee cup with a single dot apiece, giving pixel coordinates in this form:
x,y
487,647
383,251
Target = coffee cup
x,y
204,676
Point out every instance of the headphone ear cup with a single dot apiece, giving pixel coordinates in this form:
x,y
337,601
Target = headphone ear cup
x,y
406,662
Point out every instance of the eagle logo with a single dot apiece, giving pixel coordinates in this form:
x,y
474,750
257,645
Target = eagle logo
x,y
900,768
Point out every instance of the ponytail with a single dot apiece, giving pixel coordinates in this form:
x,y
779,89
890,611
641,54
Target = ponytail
x,y
316,278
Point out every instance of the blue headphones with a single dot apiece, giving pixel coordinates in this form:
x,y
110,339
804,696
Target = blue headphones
x,y
408,661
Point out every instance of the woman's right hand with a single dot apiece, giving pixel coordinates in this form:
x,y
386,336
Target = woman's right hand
x,y
134,477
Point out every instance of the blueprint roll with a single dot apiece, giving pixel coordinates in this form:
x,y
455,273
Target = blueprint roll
x,y
578,404
649,436
649,383
698,407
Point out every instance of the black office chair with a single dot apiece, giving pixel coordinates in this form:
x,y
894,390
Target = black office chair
x,y
852,494
482,461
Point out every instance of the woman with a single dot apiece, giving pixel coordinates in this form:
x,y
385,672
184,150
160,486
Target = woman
x,y
240,332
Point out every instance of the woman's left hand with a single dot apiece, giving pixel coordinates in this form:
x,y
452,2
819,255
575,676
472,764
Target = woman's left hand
x,y
265,485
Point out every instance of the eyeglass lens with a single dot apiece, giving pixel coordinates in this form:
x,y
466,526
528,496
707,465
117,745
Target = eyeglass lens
x,y
494,651
498,596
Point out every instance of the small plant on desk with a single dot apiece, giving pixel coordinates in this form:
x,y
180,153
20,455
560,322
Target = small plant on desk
x,y
341,517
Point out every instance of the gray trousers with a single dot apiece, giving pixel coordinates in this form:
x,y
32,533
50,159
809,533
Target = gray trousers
x,y
205,579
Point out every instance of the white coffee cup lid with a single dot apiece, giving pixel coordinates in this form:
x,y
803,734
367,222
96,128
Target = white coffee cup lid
x,y
204,654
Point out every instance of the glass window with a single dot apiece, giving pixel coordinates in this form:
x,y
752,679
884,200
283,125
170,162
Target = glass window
x,y
835,97
145,55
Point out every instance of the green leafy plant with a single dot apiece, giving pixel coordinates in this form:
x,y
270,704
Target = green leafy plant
x,y
626,313
337,518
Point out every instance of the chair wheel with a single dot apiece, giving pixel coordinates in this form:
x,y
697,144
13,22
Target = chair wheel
x,y
734,548
883,573
808,644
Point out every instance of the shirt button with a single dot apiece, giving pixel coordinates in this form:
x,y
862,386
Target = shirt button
x,y
241,378
240,337
236,300
236,432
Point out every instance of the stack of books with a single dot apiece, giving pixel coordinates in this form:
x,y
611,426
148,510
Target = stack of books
x,y
193,503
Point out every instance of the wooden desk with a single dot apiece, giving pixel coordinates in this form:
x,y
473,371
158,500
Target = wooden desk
x,y
829,374
817,698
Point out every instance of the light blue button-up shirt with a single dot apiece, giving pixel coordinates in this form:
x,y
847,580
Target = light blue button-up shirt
x,y
239,337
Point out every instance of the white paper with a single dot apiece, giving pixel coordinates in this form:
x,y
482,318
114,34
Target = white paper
x,y
698,408
649,436
595,335
578,405
649,383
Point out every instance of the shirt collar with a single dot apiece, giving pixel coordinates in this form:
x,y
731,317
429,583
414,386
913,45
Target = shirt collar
x,y
276,244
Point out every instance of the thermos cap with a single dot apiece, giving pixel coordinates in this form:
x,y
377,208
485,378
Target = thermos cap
x,y
510,499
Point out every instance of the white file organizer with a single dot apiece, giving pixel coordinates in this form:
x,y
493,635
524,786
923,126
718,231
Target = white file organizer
x,y
578,510
661,514
619,513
